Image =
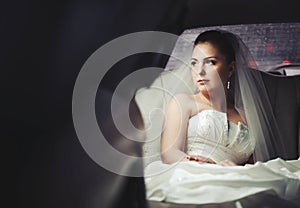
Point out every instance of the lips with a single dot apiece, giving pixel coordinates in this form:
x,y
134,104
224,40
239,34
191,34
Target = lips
x,y
202,81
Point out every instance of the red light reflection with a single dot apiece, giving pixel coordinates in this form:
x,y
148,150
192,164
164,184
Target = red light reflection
x,y
286,62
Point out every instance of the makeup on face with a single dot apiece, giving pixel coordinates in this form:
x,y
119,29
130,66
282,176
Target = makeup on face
x,y
209,67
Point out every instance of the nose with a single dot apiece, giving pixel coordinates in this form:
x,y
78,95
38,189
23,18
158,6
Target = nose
x,y
202,71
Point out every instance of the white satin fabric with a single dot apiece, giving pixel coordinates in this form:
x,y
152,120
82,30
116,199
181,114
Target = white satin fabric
x,y
194,183
211,135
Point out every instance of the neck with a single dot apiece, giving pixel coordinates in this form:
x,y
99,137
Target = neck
x,y
218,100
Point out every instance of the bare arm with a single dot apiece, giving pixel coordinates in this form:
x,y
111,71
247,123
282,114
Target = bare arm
x,y
174,135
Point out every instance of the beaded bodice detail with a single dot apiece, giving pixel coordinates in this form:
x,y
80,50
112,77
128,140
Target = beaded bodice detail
x,y
211,135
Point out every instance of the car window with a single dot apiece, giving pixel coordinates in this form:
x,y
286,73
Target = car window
x,y
271,44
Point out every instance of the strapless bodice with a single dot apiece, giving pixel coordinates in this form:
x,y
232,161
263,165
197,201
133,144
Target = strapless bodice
x,y
211,135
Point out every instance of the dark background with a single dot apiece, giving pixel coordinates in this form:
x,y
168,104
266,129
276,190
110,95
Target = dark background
x,y
44,45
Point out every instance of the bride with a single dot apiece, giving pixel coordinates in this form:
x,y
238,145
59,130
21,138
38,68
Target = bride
x,y
224,123
196,126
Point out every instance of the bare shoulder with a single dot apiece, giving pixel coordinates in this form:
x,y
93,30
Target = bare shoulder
x,y
188,105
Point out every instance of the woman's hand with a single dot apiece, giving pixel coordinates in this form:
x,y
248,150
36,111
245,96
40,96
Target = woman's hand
x,y
227,163
200,159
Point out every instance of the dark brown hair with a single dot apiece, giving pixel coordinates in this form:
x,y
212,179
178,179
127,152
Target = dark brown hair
x,y
218,40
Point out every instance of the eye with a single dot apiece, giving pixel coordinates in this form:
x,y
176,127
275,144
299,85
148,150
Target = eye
x,y
209,62
194,63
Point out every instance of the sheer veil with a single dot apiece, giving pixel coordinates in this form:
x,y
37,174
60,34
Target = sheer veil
x,y
252,102
247,90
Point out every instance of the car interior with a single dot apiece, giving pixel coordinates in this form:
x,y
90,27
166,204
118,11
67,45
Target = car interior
x,y
45,47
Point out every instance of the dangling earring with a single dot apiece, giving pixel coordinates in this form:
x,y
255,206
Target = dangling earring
x,y
228,85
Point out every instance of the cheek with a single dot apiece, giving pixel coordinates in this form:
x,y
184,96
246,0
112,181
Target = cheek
x,y
213,74
216,78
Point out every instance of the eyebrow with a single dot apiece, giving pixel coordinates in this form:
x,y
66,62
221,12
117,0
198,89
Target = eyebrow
x,y
206,58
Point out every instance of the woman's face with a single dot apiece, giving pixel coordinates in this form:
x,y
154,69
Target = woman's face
x,y
210,69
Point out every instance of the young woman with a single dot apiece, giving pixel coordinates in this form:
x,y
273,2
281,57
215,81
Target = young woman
x,y
224,123
206,127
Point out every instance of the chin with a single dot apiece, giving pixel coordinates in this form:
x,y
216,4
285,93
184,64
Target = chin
x,y
203,91
202,88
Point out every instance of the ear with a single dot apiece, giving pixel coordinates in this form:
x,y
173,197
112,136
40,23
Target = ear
x,y
232,66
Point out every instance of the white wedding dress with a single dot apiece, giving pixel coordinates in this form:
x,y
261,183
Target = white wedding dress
x,y
211,135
